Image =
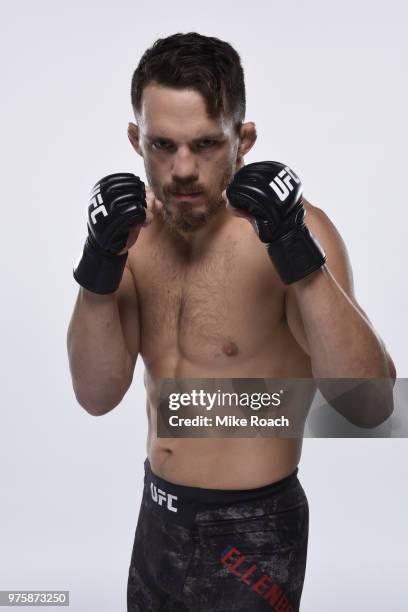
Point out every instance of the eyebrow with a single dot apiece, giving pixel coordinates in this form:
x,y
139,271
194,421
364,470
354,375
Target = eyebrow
x,y
214,136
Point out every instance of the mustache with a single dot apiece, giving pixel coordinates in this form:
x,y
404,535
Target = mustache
x,y
183,189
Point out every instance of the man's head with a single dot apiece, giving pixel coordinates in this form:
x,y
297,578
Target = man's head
x,y
188,96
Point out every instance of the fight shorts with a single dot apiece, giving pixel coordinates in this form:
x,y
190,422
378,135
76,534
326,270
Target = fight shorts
x,y
210,550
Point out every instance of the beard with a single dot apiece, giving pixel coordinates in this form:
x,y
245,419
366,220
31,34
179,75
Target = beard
x,y
186,219
187,216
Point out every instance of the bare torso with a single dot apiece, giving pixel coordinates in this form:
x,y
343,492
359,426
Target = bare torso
x,y
214,313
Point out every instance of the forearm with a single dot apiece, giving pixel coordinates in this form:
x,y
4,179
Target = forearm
x,y
348,359
342,342
98,357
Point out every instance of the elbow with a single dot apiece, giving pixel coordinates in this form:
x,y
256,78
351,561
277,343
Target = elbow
x,y
95,408
98,406
99,394
367,404
380,410
373,421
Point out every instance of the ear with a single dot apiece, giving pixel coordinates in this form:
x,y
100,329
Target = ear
x,y
247,138
133,135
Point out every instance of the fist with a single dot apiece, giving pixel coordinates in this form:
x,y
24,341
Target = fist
x,y
117,205
153,207
270,192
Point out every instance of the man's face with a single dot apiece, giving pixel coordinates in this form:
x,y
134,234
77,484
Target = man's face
x,y
189,158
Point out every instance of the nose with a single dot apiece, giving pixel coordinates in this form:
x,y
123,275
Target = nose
x,y
185,168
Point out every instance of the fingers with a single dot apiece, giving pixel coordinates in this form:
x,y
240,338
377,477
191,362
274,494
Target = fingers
x,y
133,234
237,212
154,206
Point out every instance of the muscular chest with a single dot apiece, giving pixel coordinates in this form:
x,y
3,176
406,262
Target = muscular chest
x,y
224,303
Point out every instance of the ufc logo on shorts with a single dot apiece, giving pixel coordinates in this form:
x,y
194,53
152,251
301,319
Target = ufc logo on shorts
x,y
160,496
282,184
97,203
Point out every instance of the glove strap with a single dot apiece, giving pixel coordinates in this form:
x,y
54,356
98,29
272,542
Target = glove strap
x,y
97,270
296,255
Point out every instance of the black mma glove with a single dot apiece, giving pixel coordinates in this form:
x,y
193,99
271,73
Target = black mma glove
x,y
116,204
272,193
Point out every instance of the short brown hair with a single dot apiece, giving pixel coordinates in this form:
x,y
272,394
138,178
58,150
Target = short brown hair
x,y
204,63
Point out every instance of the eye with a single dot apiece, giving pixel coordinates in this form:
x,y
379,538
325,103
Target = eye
x,y
162,144
205,143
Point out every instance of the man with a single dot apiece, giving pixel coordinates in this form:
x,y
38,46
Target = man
x,y
183,279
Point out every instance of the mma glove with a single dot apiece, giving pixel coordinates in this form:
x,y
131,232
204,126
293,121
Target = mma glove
x,y
272,193
117,203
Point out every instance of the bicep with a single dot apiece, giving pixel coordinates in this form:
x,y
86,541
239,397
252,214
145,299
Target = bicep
x,y
129,314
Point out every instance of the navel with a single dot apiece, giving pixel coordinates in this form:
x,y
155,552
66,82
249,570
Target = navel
x,y
230,348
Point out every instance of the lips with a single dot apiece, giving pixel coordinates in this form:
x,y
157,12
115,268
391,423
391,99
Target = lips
x,y
182,195
179,193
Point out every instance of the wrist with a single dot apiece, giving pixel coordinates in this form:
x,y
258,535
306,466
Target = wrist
x,y
296,254
97,248
97,270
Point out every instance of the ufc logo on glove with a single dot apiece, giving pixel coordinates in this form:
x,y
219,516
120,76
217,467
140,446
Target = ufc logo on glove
x,y
283,186
97,202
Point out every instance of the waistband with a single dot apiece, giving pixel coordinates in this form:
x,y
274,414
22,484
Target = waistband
x,y
181,503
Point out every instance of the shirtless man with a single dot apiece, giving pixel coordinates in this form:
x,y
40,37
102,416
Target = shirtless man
x,y
183,278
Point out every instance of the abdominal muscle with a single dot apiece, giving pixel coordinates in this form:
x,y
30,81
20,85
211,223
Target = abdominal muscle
x,y
223,463
216,463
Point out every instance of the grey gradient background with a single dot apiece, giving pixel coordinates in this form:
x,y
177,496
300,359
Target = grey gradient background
x,y
326,86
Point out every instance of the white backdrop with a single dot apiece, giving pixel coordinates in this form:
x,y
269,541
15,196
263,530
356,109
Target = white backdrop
x,y
326,86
